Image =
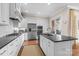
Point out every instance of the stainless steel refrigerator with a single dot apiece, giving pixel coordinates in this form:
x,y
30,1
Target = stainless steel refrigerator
x,y
32,31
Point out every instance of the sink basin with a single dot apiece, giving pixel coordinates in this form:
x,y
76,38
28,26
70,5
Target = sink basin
x,y
55,38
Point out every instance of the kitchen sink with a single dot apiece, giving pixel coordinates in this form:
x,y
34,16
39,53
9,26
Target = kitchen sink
x,y
48,34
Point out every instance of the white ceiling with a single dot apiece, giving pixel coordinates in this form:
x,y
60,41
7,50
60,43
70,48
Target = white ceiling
x,y
42,9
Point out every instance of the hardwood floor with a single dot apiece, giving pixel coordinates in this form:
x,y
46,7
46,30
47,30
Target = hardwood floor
x,y
31,48
32,42
75,51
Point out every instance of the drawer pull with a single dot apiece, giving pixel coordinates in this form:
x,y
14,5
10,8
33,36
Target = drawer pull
x,y
3,52
16,45
11,44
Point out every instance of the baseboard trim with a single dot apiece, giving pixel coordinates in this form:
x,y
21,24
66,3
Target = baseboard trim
x,y
42,50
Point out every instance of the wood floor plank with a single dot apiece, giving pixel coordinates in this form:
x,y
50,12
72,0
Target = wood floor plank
x,y
32,50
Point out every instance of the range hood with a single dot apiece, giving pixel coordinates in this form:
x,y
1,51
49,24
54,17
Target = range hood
x,y
18,16
16,19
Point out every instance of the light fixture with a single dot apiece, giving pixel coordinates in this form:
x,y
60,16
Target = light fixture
x,y
26,11
38,12
49,3
26,3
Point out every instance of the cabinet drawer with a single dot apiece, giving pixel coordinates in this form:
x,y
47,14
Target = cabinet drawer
x,y
63,48
11,44
63,53
67,44
3,51
12,51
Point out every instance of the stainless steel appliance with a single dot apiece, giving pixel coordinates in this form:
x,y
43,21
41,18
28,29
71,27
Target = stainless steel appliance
x,y
32,32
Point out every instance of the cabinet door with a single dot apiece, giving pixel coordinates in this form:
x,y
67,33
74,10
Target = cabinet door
x,y
46,46
50,48
12,10
63,48
4,13
43,44
4,51
0,10
11,48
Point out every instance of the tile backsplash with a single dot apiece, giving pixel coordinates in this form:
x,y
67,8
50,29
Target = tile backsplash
x,y
4,30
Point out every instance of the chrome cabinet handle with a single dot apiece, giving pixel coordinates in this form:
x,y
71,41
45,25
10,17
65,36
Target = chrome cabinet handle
x,y
3,52
11,44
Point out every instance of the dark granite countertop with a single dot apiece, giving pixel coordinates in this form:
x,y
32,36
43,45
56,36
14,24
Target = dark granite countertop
x,y
7,39
55,39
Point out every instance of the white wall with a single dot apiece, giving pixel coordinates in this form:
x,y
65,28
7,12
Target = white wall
x,y
39,21
64,16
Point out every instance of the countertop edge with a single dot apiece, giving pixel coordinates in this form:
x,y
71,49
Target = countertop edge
x,y
61,40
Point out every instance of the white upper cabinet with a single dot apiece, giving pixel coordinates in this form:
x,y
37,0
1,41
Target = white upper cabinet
x,y
12,10
4,14
0,10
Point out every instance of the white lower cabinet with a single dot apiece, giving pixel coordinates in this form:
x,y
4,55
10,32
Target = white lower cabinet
x,y
13,47
63,48
51,48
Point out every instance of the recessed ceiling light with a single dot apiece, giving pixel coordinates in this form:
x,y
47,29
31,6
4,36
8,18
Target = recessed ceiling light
x,y
26,11
49,3
38,12
26,3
